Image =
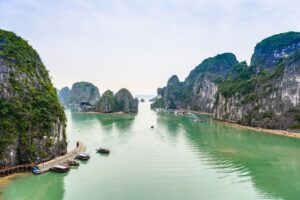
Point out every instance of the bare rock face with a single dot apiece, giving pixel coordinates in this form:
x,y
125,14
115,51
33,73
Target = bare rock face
x,y
204,92
32,121
198,90
273,103
264,94
125,102
268,98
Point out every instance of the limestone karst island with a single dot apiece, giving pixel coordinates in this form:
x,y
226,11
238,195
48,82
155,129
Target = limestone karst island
x,y
143,100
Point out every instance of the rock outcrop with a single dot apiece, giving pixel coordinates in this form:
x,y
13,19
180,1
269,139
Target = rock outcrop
x,y
264,94
198,90
270,97
64,95
124,102
269,52
32,121
106,104
80,92
84,91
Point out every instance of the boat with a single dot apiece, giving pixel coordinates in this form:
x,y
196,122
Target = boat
x,y
35,170
103,150
152,126
71,163
83,156
60,168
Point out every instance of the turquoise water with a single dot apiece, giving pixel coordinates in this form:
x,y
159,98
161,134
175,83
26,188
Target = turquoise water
x,y
178,159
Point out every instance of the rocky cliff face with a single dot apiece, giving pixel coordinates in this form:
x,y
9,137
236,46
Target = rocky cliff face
x,y
272,102
272,50
106,104
125,102
264,94
81,91
122,101
32,121
198,90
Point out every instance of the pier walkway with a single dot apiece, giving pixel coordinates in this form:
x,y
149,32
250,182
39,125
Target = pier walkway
x,y
69,156
6,171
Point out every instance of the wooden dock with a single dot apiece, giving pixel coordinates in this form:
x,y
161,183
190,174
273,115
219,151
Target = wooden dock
x,y
6,171
46,166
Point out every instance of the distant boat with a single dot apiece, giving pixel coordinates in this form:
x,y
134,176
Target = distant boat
x,y
60,168
152,126
36,170
83,156
103,150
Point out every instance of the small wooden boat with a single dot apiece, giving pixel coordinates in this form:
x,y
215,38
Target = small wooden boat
x,y
83,156
71,163
35,170
60,168
103,150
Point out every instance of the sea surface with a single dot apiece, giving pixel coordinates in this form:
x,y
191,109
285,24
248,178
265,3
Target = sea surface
x,y
182,158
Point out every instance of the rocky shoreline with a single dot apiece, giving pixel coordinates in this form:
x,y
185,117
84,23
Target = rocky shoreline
x,y
234,124
264,93
259,129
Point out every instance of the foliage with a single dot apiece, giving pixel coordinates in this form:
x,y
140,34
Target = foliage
x,y
158,103
266,48
33,109
106,102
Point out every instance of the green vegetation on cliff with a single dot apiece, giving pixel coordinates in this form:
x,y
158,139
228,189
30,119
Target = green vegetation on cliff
x,y
270,51
261,94
80,91
183,94
29,107
122,101
106,104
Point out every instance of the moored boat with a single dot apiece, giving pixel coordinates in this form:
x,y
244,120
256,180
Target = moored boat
x,y
36,170
60,168
83,156
71,163
103,150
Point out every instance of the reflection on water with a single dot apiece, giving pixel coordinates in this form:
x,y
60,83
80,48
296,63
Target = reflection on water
x,y
271,163
181,158
122,122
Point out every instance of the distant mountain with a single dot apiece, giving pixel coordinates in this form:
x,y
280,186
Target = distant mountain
x,y
122,101
80,92
264,94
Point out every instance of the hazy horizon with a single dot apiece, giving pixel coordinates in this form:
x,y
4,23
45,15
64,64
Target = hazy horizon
x,y
140,44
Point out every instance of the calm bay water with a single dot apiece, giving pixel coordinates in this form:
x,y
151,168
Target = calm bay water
x,y
179,159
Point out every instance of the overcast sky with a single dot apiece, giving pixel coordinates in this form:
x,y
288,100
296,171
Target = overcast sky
x,y
139,44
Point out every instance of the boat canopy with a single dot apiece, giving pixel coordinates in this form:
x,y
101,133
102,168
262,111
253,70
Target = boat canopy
x,y
60,167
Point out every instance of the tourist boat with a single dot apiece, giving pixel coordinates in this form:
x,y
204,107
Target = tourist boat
x,y
60,168
36,170
72,163
83,156
103,150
